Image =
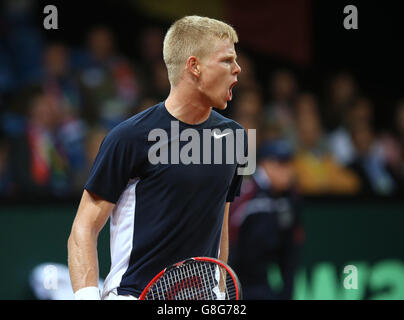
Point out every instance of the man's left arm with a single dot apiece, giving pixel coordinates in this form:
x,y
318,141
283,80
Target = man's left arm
x,y
224,239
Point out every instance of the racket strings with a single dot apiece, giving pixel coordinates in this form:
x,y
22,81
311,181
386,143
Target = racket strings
x,y
195,280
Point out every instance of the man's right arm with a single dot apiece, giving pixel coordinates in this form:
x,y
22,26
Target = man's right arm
x,y
92,214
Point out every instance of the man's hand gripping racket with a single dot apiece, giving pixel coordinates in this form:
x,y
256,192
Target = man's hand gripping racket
x,y
199,278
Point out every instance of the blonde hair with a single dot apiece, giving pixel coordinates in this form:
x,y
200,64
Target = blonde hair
x,y
190,36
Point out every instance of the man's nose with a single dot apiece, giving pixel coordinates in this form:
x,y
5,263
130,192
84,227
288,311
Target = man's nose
x,y
237,70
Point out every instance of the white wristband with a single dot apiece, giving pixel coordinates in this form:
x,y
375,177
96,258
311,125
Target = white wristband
x,y
221,295
87,293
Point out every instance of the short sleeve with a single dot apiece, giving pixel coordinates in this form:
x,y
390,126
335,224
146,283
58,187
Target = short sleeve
x,y
113,167
235,186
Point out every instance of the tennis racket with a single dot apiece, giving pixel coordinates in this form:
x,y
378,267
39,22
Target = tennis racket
x,y
199,278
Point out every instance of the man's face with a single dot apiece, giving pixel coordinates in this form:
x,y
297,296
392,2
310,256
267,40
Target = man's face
x,y
280,173
219,71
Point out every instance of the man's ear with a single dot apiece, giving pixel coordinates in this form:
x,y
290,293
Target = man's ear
x,y
193,66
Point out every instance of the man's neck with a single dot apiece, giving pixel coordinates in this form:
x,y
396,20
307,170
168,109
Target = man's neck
x,y
186,105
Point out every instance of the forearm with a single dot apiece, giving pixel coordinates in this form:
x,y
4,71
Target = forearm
x,y
224,247
224,241
92,214
83,259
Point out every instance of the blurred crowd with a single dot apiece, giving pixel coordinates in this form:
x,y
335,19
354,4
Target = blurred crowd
x,y
58,102
337,149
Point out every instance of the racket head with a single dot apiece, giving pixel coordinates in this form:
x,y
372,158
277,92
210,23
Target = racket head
x,y
198,278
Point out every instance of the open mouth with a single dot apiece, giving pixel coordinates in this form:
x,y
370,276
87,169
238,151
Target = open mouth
x,y
230,93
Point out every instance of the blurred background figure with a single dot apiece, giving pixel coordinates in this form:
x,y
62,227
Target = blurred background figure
x,y
153,71
316,170
159,86
22,41
392,144
283,88
247,109
340,93
6,178
151,42
247,79
109,84
39,159
359,111
93,139
265,225
376,175
62,84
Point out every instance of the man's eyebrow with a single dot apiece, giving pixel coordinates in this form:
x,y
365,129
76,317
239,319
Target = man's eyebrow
x,y
231,55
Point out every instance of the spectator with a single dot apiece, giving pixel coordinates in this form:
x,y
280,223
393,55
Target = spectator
x,y
341,93
248,105
283,90
267,218
340,140
6,178
154,78
8,77
39,161
151,42
393,143
109,83
59,81
247,80
317,172
376,176
24,40
64,88
159,85
247,111
93,140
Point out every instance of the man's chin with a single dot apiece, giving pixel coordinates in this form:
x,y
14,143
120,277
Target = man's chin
x,y
221,106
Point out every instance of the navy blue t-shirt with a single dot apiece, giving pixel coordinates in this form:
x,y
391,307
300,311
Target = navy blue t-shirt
x,y
165,211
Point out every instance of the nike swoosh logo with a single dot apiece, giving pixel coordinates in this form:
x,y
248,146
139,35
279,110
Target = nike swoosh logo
x,y
218,136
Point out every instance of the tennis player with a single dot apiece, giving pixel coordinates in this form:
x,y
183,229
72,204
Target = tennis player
x,y
162,213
